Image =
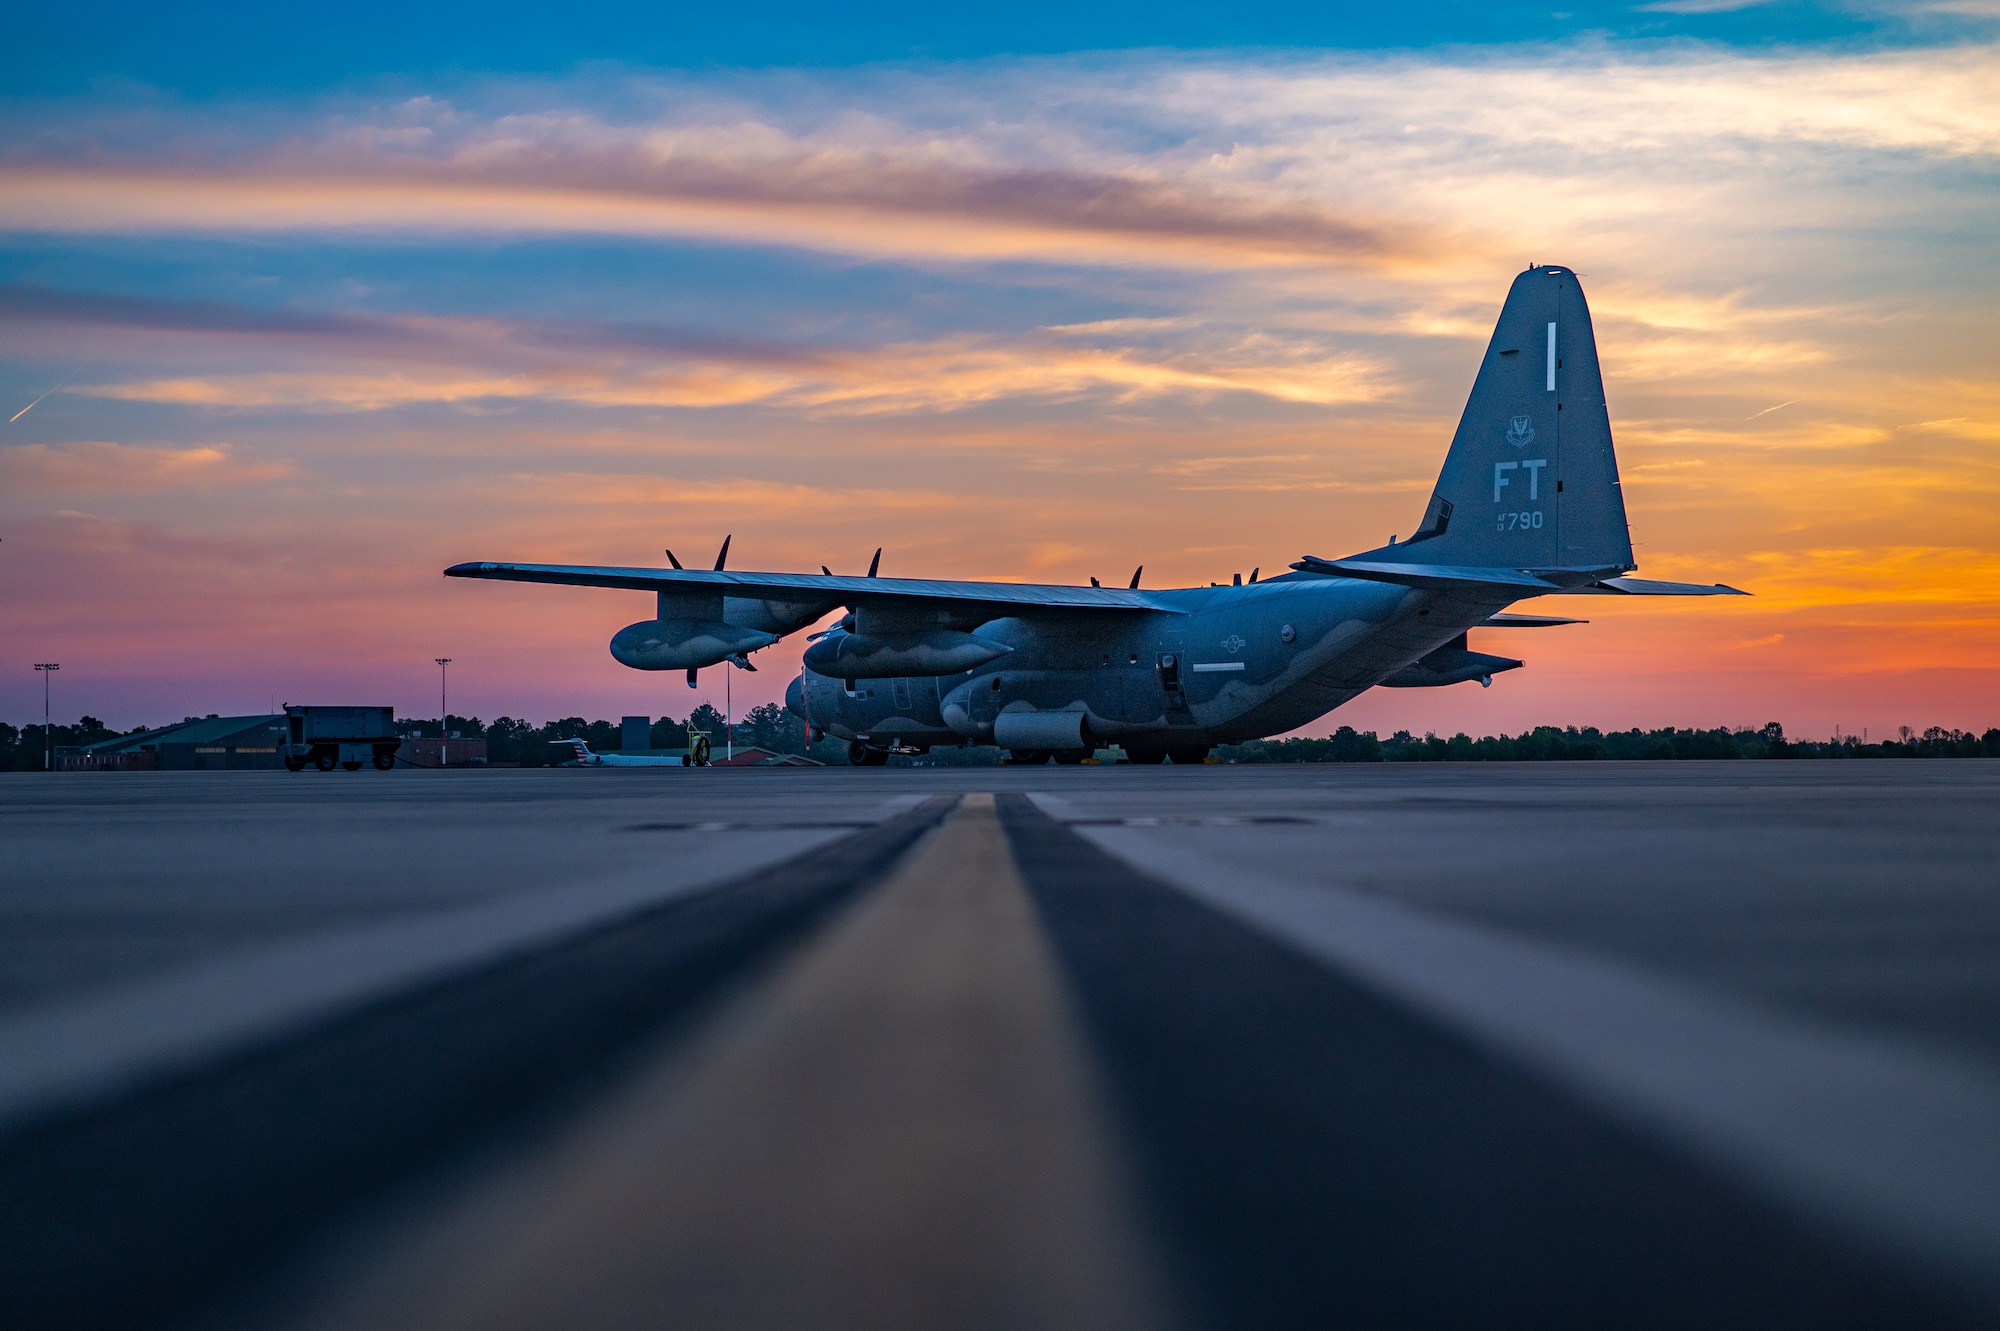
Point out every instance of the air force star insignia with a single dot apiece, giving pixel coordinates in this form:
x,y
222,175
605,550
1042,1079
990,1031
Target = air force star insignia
x,y
1521,431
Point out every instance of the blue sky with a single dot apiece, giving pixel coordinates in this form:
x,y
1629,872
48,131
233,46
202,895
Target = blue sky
x,y
206,48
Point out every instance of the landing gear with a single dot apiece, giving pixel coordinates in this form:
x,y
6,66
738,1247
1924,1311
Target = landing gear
x,y
1029,757
295,764
1189,755
350,767
1147,757
861,754
1071,757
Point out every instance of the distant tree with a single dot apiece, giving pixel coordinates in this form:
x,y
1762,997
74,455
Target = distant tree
x,y
707,719
772,727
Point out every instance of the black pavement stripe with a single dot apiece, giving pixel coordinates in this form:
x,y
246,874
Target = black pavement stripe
x,y
897,1127
1318,1156
128,1214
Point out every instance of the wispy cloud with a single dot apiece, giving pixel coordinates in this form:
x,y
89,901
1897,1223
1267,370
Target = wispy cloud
x,y
108,468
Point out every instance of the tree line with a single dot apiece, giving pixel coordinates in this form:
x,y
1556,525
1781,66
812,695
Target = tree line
x,y
1589,744
508,740
511,740
770,726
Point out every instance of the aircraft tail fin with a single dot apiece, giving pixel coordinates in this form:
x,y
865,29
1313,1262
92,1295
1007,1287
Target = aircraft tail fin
x,y
1531,481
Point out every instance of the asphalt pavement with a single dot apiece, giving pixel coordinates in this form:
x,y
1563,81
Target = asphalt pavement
x,y
1370,1045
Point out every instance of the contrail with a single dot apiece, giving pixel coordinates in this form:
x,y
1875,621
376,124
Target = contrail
x,y
30,407
1780,407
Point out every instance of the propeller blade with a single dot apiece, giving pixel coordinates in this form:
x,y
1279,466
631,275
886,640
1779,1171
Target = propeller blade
x,y
1135,577
722,555
671,560
876,562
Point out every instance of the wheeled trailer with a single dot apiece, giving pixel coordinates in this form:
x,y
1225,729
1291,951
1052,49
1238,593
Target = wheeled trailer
x,y
348,736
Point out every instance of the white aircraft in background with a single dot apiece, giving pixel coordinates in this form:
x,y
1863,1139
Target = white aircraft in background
x,y
588,759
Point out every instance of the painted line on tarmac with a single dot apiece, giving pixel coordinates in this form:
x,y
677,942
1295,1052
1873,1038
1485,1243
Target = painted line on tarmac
x,y
120,1039
1895,1147
898,1127
135,1210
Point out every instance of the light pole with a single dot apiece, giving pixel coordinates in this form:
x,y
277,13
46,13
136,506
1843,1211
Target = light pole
x,y
443,735
48,737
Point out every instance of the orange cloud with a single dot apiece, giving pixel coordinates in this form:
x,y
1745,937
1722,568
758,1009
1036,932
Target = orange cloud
x,y
108,468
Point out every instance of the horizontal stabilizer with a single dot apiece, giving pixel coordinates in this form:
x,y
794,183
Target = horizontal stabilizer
x,y
1641,587
1505,621
1429,575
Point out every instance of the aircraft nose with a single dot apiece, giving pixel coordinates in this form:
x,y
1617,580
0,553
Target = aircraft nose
x,y
795,697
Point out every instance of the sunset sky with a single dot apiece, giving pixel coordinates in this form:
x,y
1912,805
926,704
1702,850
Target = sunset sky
x,y
308,310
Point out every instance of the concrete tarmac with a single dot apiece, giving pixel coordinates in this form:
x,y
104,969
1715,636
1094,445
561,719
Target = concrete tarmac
x,y
1539,1044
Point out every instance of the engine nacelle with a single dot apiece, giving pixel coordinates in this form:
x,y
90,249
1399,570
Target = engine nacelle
x,y
683,644
867,656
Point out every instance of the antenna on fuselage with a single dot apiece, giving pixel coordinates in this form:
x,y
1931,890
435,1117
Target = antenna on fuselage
x,y
1095,583
722,555
1134,585
1254,572
671,560
876,562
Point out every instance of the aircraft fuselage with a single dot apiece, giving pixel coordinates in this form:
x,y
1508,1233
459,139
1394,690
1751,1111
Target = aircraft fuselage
x,y
1236,663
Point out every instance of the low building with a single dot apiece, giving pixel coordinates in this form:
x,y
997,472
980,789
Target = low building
x,y
750,755
435,752
211,744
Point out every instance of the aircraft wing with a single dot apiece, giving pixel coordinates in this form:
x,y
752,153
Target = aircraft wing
x,y
999,598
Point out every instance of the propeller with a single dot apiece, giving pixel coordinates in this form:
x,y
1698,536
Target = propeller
x,y
1134,586
671,560
722,555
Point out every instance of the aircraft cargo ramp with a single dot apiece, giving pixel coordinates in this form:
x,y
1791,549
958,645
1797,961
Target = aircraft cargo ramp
x,y
1589,1045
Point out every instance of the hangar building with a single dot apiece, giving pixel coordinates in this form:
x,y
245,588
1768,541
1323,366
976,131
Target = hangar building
x,y
213,743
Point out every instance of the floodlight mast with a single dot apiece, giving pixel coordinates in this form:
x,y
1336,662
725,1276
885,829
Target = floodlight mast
x,y
47,668
444,735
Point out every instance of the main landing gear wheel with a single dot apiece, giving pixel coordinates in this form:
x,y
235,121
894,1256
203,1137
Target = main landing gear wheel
x,y
350,767
1188,755
1071,757
865,755
1028,757
1147,757
384,761
295,764
324,761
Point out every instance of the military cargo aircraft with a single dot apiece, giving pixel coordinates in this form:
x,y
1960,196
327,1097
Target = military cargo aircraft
x,y
1528,505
